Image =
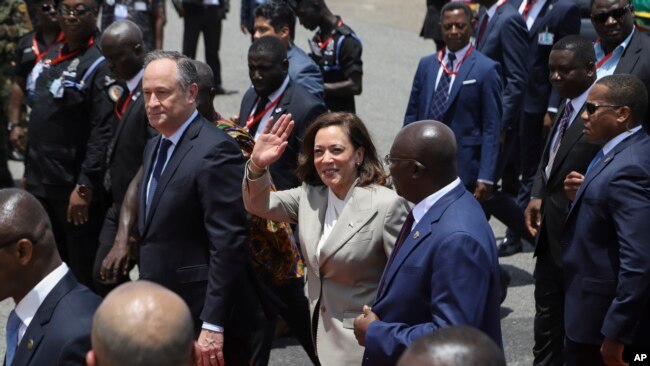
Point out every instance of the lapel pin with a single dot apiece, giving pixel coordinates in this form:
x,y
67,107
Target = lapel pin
x,y
416,235
278,110
30,344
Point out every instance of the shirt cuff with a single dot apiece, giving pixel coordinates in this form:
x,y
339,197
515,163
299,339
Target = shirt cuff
x,y
212,327
551,109
248,172
485,181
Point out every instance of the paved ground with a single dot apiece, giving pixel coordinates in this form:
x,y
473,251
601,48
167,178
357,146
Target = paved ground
x,y
389,30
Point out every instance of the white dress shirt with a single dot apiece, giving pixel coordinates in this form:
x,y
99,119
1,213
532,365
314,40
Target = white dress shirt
x,y
423,206
460,55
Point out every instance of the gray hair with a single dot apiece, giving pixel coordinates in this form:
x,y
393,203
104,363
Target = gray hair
x,y
186,74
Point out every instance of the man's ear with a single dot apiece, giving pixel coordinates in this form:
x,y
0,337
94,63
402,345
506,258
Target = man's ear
x,y
285,34
25,251
193,92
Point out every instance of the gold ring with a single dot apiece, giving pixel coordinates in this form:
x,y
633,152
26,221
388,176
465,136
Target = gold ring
x,y
212,357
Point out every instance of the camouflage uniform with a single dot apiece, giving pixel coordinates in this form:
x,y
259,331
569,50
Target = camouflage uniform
x,y
139,12
14,23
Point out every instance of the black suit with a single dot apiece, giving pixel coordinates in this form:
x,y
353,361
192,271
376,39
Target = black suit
x,y
123,159
574,154
194,232
304,108
636,61
59,333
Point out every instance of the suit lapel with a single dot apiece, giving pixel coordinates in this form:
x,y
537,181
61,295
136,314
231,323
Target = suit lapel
x,y
541,18
595,170
183,147
491,24
135,104
418,234
314,221
247,104
35,333
430,84
357,212
571,137
630,56
464,70
285,102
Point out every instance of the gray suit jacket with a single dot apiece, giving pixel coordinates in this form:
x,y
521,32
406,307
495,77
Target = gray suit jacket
x,y
345,274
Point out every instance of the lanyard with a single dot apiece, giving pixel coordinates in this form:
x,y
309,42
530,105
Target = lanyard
x,y
254,119
329,39
452,72
40,54
605,58
60,58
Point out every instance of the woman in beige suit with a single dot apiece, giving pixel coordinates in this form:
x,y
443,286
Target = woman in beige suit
x,y
348,221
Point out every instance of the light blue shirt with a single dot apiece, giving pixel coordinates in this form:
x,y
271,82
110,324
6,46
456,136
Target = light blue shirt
x,y
611,144
609,66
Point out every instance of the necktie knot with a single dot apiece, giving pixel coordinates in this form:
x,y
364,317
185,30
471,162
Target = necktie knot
x,y
451,57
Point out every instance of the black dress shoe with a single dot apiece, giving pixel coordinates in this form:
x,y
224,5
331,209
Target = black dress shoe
x,y
505,282
508,246
219,90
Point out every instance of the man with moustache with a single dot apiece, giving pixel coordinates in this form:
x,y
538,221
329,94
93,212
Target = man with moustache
x,y
69,128
572,73
606,254
273,94
124,49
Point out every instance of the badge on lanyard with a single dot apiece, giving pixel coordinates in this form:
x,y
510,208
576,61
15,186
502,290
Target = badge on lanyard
x,y
33,76
140,6
56,88
121,11
545,38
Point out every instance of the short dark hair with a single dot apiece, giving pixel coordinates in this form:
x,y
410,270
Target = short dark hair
x,y
279,14
371,170
591,4
271,45
582,48
186,75
627,90
455,5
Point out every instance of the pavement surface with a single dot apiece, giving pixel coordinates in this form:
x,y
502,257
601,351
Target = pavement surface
x,y
392,48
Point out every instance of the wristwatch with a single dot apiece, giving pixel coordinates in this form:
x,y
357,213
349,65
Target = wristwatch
x,y
83,190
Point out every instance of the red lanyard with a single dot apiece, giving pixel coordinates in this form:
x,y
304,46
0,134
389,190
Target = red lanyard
x,y
254,119
40,54
329,39
119,112
604,59
60,58
529,5
452,72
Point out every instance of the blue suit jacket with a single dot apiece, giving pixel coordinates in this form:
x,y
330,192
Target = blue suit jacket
x,y
446,273
506,41
607,256
304,71
560,18
473,111
59,334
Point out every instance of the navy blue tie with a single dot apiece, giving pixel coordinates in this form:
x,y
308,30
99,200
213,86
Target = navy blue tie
x,y
440,96
157,170
13,324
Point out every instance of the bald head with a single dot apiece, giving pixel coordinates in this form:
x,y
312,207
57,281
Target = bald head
x,y
22,216
124,49
430,146
453,346
142,323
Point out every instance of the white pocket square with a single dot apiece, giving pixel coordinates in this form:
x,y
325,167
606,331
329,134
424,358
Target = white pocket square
x,y
467,82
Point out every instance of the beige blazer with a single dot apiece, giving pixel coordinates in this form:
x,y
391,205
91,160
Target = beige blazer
x,y
346,274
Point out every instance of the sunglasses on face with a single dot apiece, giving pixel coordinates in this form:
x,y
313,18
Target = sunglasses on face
x,y
79,10
615,14
592,108
47,7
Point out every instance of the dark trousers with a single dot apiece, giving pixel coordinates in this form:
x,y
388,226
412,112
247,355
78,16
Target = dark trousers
x,y
77,244
531,146
549,310
206,19
580,354
106,240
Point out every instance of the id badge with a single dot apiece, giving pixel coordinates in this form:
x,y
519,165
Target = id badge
x,y
33,76
121,11
545,38
56,88
140,6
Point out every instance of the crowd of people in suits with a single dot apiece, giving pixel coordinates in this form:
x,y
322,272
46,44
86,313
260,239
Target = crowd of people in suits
x,y
286,210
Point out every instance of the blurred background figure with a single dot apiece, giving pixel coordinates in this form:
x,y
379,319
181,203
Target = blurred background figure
x,y
453,346
430,28
149,15
141,324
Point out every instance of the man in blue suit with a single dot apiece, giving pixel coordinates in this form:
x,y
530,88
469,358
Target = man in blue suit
x,y
548,21
607,256
444,269
462,88
502,36
51,322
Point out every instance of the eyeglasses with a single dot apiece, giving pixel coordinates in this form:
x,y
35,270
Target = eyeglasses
x,y
389,159
615,14
459,26
591,107
47,7
78,11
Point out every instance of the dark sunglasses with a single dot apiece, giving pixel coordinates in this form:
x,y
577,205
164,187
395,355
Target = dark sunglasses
x,y
78,11
592,108
616,14
47,7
